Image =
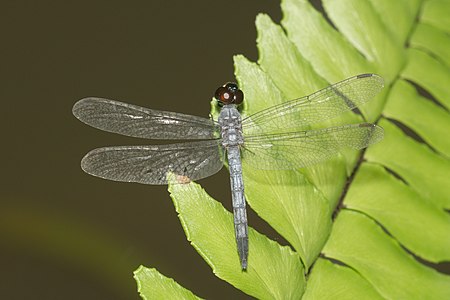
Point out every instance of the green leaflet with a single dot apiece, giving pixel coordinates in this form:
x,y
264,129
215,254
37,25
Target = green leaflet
x,y
380,213
403,212
332,281
274,271
287,202
431,124
315,40
360,243
435,12
367,33
398,17
279,57
431,39
154,285
429,73
426,172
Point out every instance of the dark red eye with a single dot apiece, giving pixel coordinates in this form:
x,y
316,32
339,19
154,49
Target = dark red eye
x,y
238,97
229,94
224,95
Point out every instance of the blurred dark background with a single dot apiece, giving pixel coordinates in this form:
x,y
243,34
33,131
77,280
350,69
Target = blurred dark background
x,y
63,233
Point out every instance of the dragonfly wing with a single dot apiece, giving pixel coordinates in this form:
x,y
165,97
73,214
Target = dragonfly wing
x,y
136,121
151,164
323,105
295,150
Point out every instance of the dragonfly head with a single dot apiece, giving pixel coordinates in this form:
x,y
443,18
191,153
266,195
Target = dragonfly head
x,y
229,93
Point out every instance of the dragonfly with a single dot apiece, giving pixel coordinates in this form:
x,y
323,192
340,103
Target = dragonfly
x,y
277,138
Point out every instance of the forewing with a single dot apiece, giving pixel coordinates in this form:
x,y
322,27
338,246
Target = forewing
x,y
323,105
136,121
305,148
152,164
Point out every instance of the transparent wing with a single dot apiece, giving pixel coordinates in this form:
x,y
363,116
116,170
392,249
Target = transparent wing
x,y
305,148
136,121
151,164
322,105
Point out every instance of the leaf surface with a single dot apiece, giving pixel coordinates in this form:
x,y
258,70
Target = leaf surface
x,y
154,285
274,271
352,220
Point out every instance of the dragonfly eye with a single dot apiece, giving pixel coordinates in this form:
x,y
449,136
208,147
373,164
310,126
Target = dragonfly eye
x,y
224,95
229,94
238,97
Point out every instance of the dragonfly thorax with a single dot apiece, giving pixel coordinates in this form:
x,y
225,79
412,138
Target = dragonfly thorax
x,y
231,126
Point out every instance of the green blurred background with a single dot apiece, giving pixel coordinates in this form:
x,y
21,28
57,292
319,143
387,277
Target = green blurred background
x,y
65,234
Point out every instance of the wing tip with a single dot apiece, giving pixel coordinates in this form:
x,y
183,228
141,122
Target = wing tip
x,y
376,133
80,104
86,162
76,108
89,165
367,75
